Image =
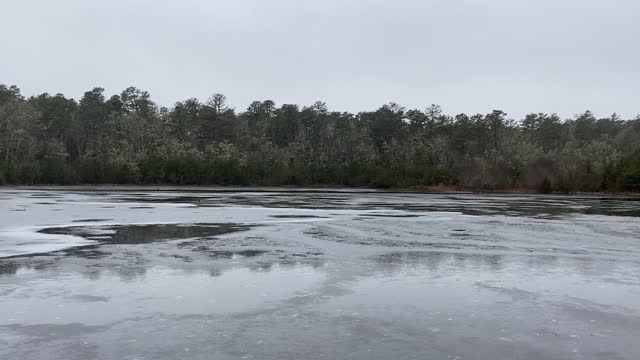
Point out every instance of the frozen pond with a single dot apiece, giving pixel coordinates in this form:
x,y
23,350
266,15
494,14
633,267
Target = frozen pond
x,y
146,273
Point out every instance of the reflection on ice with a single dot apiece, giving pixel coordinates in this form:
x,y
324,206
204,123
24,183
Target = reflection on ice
x,y
68,298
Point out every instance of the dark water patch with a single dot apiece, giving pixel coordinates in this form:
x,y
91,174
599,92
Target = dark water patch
x,y
292,200
140,207
250,253
164,199
548,208
8,267
298,216
395,215
92,252
612,212
91,220
143,234
461,235
547,217
220,254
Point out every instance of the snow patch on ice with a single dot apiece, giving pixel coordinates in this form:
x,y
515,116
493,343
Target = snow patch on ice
x,y
27,240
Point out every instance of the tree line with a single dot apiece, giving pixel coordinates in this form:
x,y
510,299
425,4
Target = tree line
x,y
128,139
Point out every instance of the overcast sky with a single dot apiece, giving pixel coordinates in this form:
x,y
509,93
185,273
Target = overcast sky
x,y
471,56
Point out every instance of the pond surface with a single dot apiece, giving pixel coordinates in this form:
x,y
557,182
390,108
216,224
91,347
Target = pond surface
x,y
169,273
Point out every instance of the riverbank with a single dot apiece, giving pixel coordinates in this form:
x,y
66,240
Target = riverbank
x,y
435,189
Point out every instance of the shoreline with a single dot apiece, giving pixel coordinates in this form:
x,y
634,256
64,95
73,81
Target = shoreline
x,y
438,189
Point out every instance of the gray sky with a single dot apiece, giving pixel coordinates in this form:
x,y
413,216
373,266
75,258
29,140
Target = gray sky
x,y
521,56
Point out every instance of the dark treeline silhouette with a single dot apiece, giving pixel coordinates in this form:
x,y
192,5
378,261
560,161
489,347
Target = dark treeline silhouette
x,y
126,138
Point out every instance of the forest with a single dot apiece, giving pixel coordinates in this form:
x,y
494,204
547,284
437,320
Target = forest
x,y
128,139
